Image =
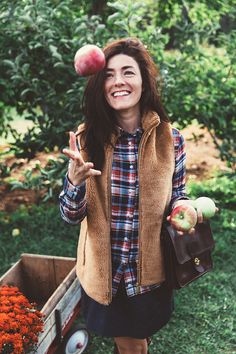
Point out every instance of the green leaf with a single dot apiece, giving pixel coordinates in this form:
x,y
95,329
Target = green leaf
x,y
118,6
54,52
112,18
9,63
24,92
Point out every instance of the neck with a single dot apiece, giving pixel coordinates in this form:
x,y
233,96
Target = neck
x,y
129,121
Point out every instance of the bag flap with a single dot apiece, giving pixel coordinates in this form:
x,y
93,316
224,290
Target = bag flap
x,y
187,246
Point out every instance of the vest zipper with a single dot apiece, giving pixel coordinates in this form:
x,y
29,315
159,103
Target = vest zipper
x,y
139,262
109,295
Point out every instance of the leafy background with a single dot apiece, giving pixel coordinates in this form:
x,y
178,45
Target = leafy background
x,y
194,44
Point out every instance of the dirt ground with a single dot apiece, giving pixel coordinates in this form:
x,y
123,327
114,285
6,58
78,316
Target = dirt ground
x,y
202,163
203,159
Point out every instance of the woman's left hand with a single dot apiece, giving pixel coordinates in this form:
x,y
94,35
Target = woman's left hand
x,y
189,202
198,211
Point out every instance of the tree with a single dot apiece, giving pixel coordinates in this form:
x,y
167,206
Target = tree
x,y
194,50
196,60
38,41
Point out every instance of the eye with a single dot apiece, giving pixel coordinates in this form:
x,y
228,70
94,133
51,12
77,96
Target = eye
x,y
129,73
108,75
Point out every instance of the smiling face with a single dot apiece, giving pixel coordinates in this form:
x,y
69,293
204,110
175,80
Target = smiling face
x,y
123,84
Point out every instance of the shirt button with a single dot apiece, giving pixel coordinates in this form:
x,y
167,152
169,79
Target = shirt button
x,y
129,286
130,143
131,166
126,239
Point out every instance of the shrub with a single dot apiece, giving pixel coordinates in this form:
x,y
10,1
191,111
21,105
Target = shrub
x,y
39,40
220,188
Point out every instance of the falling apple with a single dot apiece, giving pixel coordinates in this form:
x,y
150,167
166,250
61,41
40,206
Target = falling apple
x,y
183,217
207,207
88,60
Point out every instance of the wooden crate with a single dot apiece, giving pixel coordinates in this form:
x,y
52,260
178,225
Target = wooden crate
x,y
51,282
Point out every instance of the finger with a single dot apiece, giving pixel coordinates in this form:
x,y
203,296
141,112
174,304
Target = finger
x,y
69,153
199,216
87,168
73,142
93,173
191,231
73,155
88,165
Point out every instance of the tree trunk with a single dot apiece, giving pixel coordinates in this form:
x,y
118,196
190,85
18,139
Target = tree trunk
x,y
98,7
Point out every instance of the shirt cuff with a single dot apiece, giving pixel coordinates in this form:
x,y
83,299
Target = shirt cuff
x,y
75,193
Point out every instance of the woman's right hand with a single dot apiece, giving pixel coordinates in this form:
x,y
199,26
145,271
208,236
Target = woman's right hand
x,y
78,170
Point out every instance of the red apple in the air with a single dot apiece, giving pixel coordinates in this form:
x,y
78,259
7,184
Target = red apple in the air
x,y
183,217
88,60
207,207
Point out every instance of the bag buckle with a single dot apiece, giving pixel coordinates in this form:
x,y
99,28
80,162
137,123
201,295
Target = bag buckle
x,y
198,266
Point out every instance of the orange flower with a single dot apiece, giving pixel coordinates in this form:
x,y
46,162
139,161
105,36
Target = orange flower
x,y
20,322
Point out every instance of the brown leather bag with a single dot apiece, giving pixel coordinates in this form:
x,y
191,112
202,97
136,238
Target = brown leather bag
x,y
186,257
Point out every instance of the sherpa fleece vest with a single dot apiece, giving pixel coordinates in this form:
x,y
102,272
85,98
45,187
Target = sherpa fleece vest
x,y
156,164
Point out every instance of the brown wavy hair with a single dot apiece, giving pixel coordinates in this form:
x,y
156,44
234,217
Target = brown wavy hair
x,y
99,116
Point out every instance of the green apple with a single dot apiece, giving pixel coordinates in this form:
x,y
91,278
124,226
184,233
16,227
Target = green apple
x,y
207,207
192,202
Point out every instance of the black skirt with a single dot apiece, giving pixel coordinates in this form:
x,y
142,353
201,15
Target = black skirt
x,y
138,316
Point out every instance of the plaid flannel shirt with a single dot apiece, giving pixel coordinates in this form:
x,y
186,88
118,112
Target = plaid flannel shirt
x,y
125,200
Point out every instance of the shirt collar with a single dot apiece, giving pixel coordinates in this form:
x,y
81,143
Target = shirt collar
x,y
122,132
149,120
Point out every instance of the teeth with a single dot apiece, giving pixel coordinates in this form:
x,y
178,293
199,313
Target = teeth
x,y
120,93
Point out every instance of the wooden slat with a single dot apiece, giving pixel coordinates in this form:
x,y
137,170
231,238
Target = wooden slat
x,y
62,268
42,274
58,293
14,276
39,275
61,305
66,306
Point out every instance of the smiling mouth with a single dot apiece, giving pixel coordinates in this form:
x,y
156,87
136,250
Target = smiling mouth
x,y
120,93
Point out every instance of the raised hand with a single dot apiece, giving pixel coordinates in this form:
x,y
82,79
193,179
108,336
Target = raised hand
x,y
78,170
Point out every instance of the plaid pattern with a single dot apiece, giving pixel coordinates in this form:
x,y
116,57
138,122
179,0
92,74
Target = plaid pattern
x,y
178,186
125,199
124,217
72,202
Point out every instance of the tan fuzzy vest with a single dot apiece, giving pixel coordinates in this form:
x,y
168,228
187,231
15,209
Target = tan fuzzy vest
x,y
155,168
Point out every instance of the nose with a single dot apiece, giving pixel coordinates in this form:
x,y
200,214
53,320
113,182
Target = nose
x,y
118,79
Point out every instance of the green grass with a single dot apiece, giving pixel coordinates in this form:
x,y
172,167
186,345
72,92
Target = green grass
x,y
42,231
205,311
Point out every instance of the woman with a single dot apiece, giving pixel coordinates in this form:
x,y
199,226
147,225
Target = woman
x,y
121,198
